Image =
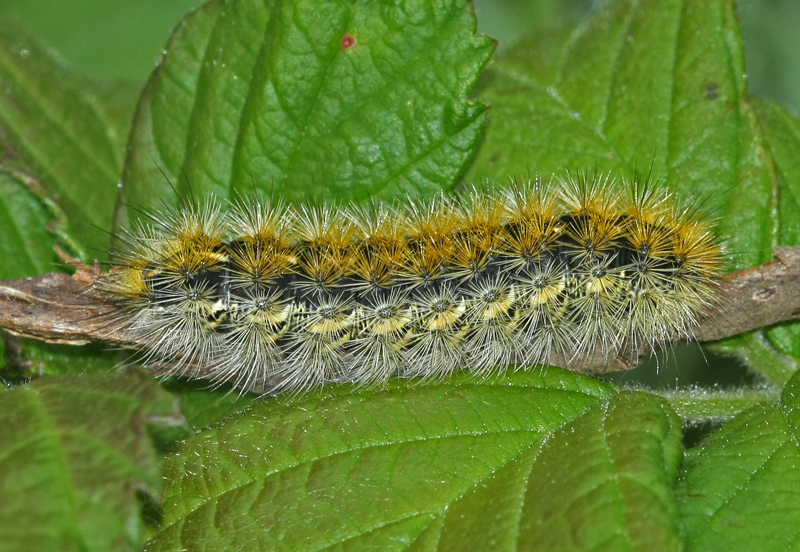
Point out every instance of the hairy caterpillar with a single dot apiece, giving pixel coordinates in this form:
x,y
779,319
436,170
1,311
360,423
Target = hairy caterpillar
x,y
272,298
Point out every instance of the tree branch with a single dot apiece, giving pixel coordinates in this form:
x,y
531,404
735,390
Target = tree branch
x,y
58,308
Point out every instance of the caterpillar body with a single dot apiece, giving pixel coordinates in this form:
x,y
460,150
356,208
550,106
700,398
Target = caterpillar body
x,y
273,298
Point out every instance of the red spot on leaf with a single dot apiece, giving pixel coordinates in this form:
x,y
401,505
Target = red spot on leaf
x,y
348,41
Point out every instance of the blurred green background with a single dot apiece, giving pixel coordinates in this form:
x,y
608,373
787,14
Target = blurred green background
x,y
122,39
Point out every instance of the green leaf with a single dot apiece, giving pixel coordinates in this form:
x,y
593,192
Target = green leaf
x,y
27,246
652,83
604,482
374,469
73,453
782,132
58,130
310,100
741,490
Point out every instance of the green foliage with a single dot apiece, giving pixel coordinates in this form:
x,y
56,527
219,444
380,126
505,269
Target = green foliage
x,y
66,133
313,477
631,88
273,96
740,491
72,452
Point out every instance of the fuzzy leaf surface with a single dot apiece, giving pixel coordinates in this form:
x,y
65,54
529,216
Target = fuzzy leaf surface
x,y
539,453
741,489
604,481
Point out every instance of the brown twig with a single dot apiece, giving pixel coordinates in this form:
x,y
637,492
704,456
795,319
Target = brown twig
x,y
58,308
756,298
69,309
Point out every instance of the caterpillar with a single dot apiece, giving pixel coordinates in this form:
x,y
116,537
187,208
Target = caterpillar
x,y
275,298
